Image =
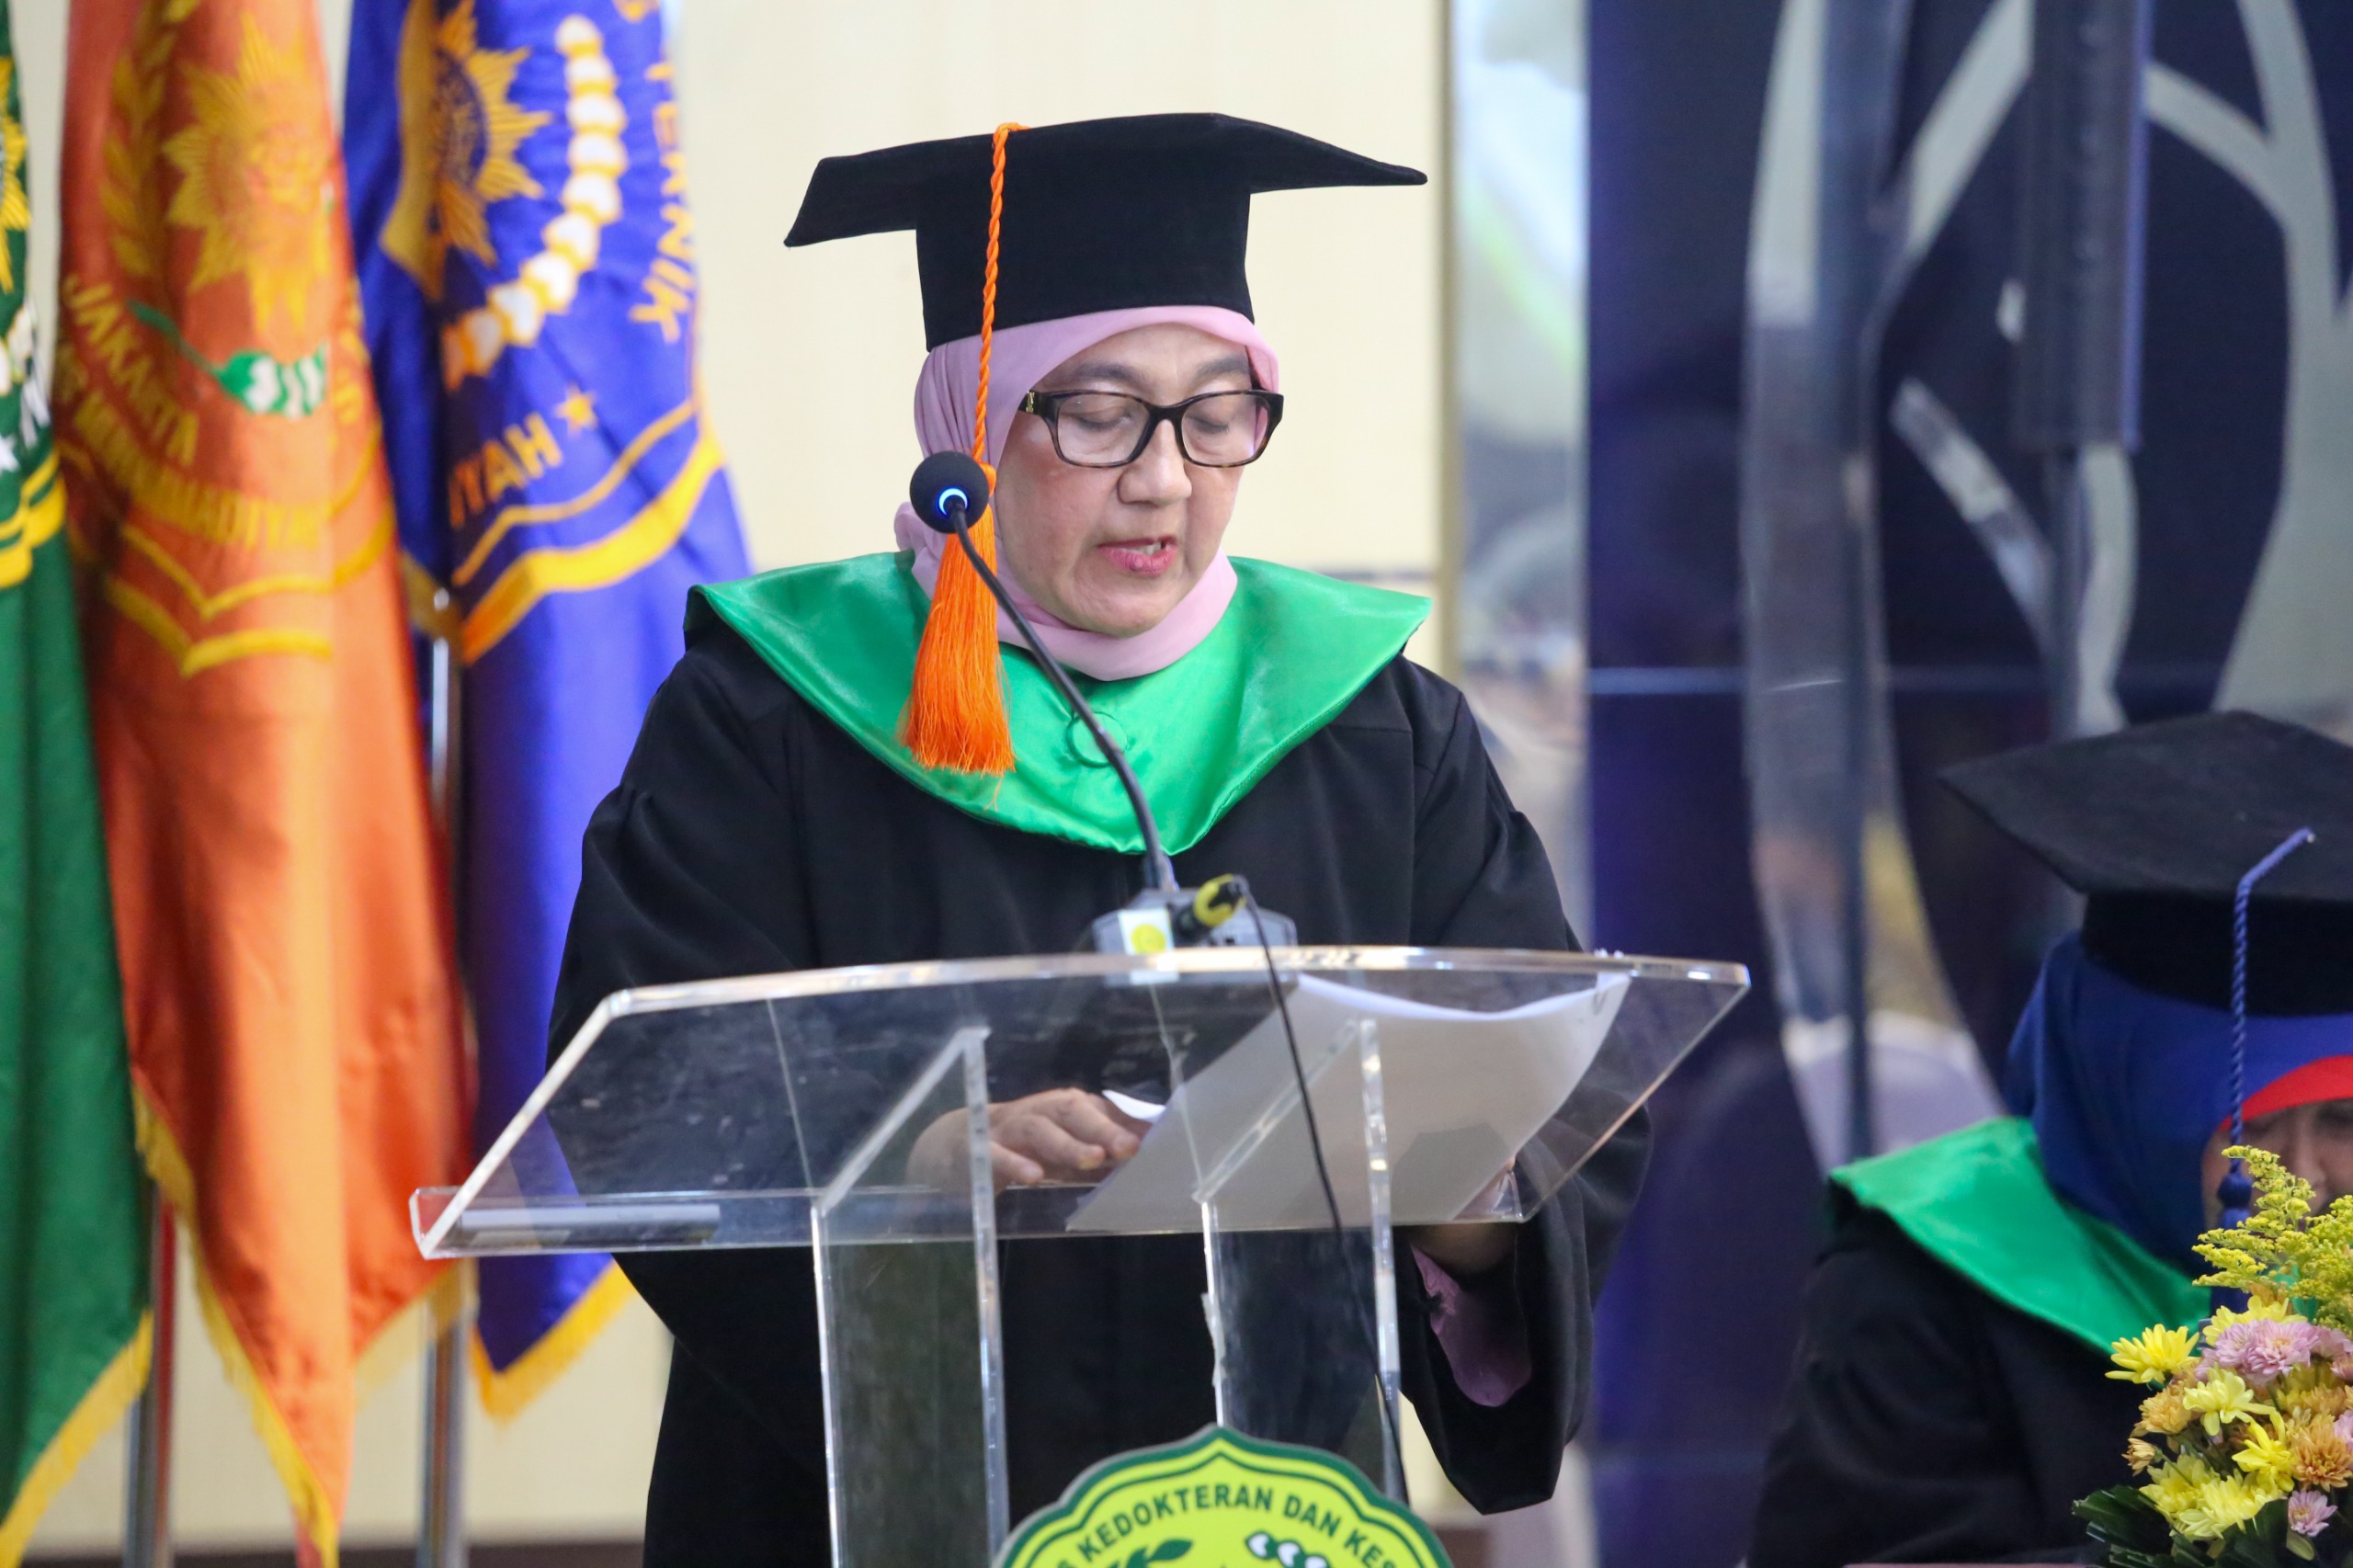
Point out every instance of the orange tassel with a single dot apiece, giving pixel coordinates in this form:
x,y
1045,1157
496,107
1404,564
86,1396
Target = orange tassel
x,y
955,716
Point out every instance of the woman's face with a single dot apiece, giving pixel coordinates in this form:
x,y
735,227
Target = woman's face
x,y
1113,549
2315,1141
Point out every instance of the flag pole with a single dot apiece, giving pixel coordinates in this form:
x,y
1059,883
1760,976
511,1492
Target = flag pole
x,y
147,1508
441,1522
442,1529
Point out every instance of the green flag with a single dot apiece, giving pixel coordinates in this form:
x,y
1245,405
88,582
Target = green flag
x,y
73,1326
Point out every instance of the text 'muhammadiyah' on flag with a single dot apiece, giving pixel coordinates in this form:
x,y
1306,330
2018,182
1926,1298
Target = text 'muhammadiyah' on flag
x,y
526,256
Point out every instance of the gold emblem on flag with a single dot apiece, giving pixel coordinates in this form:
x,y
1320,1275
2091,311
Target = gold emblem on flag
x,y
460,131
15,213
514,313
219,526
254,169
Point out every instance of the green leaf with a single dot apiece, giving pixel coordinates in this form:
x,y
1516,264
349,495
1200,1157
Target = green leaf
x,y
294,388
2261,1542
1170,1550
2121,1517
2125,1557
2301,1547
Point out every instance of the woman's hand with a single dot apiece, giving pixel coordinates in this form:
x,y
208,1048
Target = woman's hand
x,y
1464,1251
1060,1135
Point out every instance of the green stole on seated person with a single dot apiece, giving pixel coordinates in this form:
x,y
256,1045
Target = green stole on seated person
x,y
1292,649
1977,1202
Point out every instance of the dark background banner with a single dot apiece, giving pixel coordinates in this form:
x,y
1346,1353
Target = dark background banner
x,y
1700,1319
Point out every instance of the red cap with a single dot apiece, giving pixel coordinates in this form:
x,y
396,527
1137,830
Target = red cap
x,y
2330,1079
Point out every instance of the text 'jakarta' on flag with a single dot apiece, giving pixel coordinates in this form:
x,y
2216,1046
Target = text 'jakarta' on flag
x,y
525,257
288,984
73,1327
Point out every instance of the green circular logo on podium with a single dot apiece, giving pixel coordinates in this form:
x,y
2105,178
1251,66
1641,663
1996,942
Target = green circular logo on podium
x,y
1222,1500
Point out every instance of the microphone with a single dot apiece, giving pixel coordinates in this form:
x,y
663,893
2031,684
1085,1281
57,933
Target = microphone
x,y
946,479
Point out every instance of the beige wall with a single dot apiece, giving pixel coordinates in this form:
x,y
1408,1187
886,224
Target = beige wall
x,y
810,358
574,1466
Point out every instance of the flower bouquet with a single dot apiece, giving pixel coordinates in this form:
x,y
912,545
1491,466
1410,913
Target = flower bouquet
x,y
2247,1444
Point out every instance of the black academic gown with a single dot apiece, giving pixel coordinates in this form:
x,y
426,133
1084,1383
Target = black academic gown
x,y
749,835
1928,1421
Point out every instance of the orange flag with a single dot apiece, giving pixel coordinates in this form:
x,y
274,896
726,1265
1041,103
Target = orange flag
x,y
288,987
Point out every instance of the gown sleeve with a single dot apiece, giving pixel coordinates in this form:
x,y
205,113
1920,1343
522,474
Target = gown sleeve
x,y
689,871
1481,880
688,868
1898,1440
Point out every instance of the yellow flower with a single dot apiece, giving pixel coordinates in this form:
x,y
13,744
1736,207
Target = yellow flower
x,y
2302,1380
2224,1397
2174,1489
2165,1413
2265,1457
2224,1504
2321,1458
2200,1504
2312,1391
2264,1307
2139,1453
2154,1357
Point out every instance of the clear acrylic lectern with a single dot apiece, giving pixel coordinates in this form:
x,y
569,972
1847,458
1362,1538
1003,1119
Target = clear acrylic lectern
x,y
846,1110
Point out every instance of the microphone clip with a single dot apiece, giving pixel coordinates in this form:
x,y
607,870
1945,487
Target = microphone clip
x,y
1215,914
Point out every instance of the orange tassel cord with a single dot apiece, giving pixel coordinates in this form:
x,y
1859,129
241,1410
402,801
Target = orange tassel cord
x,y
955,717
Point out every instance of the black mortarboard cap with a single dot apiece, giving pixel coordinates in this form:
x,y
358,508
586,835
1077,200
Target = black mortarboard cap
x,y
1099,214
2155,825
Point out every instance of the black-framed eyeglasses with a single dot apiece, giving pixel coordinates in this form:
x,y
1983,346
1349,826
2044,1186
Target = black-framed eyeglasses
x,y
1106,429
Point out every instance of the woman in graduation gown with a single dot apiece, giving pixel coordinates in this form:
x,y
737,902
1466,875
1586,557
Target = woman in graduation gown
x,y
789,805
1951,1399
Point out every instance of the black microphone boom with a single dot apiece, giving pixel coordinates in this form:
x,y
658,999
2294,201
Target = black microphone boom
x,y
948,489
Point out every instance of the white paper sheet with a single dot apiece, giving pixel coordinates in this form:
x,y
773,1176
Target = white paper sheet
x,y
1462,1093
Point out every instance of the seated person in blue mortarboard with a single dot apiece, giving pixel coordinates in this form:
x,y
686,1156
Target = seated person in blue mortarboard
x,y
1950,1400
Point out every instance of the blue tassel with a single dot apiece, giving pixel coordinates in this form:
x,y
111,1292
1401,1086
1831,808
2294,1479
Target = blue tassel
x,y
2237,1192
2237,1188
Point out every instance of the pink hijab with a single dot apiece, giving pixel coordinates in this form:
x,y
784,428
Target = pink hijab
x,y
1020,356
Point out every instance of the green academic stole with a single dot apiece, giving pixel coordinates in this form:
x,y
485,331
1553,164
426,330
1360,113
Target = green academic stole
x,y
1977,1202
1292,649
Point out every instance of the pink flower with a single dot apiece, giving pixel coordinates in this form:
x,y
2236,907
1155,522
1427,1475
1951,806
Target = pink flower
x,y
2309,1512
2343,1427
2329,1344
2343,1367
2262,1348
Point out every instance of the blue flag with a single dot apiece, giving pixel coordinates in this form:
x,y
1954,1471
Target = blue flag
x,y
527,272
